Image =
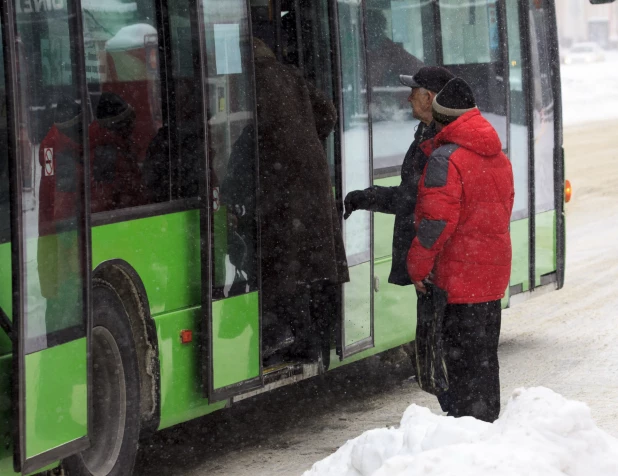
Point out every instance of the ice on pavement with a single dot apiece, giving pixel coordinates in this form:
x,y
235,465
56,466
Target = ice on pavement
x,y
539,433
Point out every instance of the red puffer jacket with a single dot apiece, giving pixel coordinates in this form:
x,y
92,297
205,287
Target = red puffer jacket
x,y
463,213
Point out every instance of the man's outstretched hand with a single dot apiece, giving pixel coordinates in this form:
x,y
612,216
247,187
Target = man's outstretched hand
x,y
356,200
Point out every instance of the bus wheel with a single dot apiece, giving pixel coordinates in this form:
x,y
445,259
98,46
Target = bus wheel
x,y
115,391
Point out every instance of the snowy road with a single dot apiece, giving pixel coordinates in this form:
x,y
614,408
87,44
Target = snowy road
x,y
565,340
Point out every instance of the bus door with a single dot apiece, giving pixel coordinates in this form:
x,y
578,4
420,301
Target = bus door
x,y
231,300
50,240
547,168
356,173
300,32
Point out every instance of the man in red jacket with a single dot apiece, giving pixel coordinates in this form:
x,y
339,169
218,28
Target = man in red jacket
x,y
463,247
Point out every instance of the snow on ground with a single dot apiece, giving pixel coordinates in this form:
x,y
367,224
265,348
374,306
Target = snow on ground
x,y
539,433
590,91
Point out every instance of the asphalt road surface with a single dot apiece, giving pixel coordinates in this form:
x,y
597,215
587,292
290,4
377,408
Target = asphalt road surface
x,y
564,340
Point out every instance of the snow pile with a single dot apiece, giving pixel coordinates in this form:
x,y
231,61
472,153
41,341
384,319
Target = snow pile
x,y
540,433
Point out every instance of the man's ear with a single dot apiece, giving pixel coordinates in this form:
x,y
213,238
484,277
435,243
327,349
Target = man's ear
x,y
431,95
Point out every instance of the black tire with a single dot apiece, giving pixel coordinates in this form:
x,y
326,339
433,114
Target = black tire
x,y
115,391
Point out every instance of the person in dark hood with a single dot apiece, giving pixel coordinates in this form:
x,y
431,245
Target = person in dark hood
x,y
462,250
401,200
303,257
115,174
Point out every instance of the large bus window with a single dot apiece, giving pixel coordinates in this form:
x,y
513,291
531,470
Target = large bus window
x,y
543,108
518,147
469,32
122,67
51,137
231,123
400,40
472,49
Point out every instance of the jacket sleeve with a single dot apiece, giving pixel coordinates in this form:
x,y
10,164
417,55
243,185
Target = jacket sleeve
x,y
386,199
437,214
324,112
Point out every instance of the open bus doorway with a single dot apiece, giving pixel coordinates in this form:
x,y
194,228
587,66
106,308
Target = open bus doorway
x,y
300,308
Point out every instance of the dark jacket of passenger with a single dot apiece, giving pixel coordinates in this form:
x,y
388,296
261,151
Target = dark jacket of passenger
x,y
301,233
401,202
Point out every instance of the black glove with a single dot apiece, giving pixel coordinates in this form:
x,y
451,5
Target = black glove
x,y
358,200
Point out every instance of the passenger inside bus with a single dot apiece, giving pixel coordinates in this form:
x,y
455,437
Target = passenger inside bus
x,y
303,258
115,174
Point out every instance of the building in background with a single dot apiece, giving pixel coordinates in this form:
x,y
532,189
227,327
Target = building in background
x,y
578,21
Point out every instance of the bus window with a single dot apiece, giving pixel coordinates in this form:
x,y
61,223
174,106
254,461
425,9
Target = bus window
x,y
53,276
472,49
187,143
400,40
518,147
231,123
122,69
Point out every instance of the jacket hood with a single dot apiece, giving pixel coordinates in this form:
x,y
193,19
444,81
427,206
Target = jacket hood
x,y
473,132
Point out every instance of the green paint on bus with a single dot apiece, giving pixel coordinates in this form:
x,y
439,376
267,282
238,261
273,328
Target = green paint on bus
x,y
56,394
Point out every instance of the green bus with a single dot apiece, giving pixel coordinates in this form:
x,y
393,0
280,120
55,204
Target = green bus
x,y
122,309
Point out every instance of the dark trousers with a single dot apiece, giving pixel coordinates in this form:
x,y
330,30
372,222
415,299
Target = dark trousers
x,y
470,336
309,312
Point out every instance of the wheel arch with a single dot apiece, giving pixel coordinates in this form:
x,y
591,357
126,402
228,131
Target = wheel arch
x,y
131,290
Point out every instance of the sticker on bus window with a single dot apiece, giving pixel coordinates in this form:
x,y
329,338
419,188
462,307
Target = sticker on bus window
x,y
227,48
48,154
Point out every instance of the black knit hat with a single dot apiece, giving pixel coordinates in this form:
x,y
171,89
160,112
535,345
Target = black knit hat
x,y
432,78
67,113
112,109
455,99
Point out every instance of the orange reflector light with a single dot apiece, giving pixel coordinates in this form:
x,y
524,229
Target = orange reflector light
x,y
186,336
568,191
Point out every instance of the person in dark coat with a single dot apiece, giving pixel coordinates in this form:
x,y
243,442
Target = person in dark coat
x,y
114,169
303,256
401,200
463,247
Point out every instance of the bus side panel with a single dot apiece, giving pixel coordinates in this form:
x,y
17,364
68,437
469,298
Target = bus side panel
x,y
181,393
6,437
520,244
358,304
545,237
56,392
236,339
165,252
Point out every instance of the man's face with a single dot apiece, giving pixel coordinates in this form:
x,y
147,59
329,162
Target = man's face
x,y
420,99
